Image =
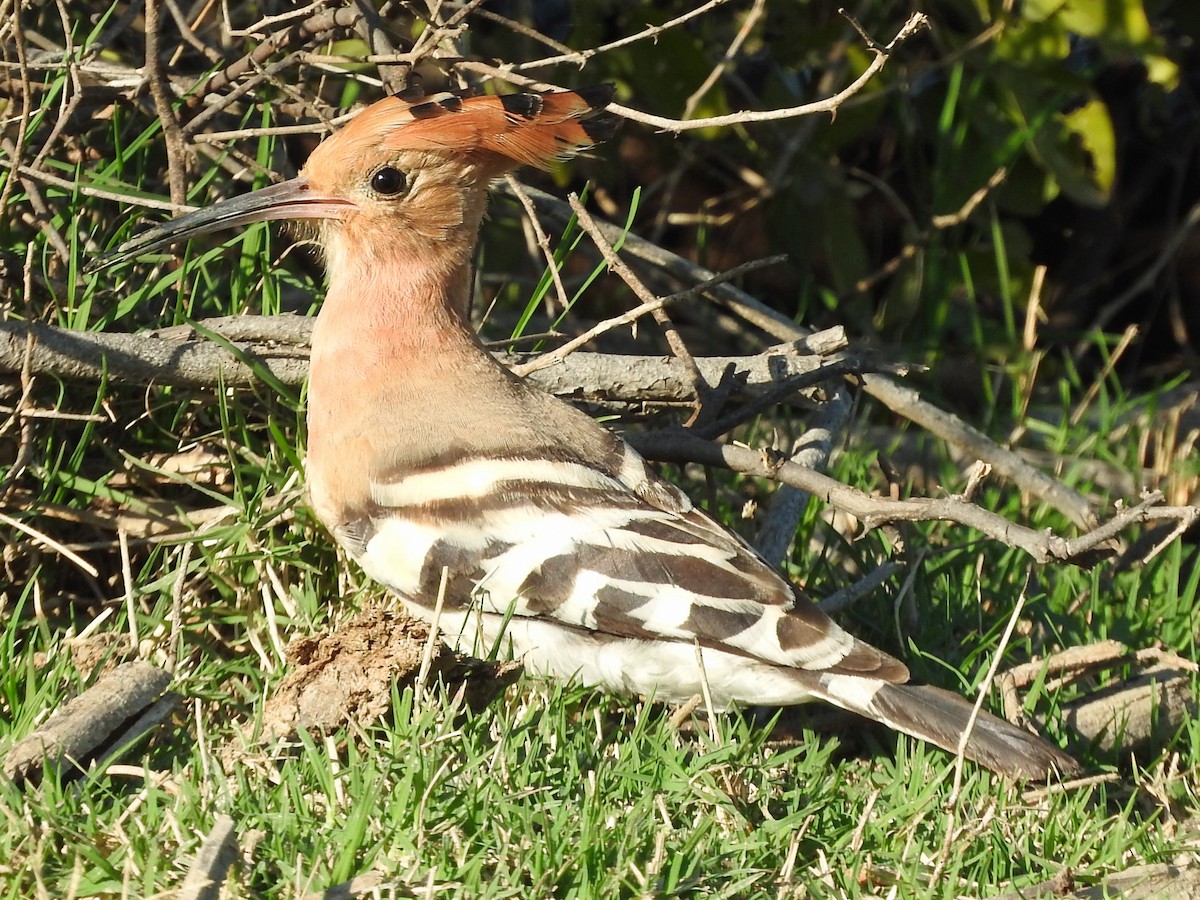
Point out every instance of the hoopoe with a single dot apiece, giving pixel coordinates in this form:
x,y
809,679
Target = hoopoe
x,y
546,534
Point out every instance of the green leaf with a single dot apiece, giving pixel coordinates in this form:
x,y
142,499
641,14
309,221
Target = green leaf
x,y
1161,71
1120,19
1093,126
1080,149
1119,26
1033,42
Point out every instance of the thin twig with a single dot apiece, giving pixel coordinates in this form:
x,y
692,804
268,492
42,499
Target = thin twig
x,y
872,511
525,31
26,110
923,235
706,692
127,581
176,149
580,57
643,293
774,396
46,541
429,650
828,105
1110,364
543,241
556,356
864,587
727,58
88,191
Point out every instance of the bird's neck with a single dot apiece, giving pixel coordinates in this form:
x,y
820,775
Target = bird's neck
x,y
388,305
395,369
389,333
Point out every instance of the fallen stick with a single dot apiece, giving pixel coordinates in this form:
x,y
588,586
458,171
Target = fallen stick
x,y
91,724
217,854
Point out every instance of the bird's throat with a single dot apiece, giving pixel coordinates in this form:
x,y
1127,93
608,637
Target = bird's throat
x,y
390,354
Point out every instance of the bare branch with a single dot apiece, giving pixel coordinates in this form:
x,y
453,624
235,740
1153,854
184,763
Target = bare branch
x,y
279,345
176,149
727,58
830,104
543,241
812,451
580,57
344,19
556,356
901,399
681,447
82,727
643,293
86,190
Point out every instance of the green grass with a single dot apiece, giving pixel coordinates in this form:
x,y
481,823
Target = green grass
x,y
555,791
551,790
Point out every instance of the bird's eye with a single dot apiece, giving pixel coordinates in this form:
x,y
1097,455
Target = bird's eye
x,y
388,182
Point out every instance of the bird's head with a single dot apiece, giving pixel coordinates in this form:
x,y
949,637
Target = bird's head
x,y
407,177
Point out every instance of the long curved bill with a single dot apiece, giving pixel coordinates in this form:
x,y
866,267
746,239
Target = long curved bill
x,y
293,199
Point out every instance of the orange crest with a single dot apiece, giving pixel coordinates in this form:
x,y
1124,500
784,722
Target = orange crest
x,y
514,129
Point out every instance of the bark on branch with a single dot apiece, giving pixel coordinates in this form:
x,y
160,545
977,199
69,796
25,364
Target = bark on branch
x,y
279,345
83,727
874,511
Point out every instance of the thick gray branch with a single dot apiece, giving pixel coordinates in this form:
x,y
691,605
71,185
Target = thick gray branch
x,y
279,344
145,358
811,451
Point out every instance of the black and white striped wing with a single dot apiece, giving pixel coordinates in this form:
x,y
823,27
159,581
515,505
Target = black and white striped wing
x,y
613,554
612,577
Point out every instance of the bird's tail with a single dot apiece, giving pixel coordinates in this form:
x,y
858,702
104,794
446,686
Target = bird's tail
x,y
941,718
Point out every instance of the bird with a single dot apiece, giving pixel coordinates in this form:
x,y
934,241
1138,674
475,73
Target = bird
x,y
508,518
